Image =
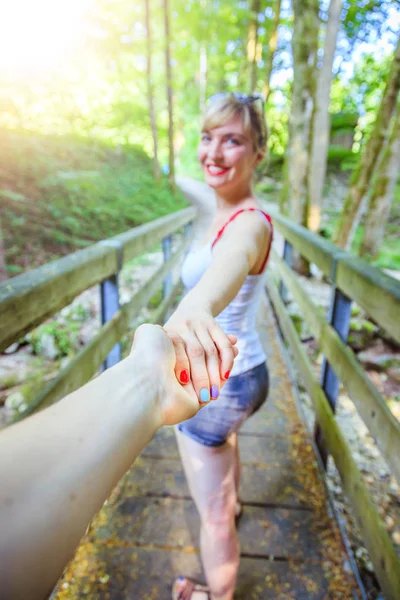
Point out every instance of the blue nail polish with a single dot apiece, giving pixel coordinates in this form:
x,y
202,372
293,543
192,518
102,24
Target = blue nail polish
x,y
204,395
214,392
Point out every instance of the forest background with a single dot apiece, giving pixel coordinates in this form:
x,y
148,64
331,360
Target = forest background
x,y
87,97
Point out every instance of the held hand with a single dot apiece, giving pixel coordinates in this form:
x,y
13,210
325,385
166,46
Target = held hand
x,y
204,353
173,402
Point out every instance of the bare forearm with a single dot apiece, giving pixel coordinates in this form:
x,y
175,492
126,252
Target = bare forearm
x,y
75,454
219,284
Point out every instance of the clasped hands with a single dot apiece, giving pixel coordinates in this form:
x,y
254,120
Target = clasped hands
x,y
192,357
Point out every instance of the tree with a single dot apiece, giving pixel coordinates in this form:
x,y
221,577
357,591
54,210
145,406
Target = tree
x,y
361,178
169,92
321,120
3,268
387,172
252,45
153,124
272,44
203,58
304,49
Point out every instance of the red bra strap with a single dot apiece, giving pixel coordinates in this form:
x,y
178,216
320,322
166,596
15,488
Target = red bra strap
x,y
232,217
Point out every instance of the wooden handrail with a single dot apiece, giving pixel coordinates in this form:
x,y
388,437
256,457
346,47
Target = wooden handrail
x,y
377,540
377,293
90,358
313,247
371,406
29,299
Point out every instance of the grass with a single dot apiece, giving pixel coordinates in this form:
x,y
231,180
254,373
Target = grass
x,y
59,194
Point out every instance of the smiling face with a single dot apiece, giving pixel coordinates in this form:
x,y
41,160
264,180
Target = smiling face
x,y
227,155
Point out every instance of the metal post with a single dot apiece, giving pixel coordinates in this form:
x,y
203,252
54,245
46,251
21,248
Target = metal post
x,y
167,251
109,296
287,257
187,230
339,318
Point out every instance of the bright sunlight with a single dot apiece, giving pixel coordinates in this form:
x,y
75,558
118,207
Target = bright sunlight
x,y
34,36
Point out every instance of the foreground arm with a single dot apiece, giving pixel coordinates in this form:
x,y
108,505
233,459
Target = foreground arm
x,y
58,467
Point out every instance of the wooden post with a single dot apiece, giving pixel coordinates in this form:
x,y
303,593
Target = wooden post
x,y
109,295
287,257
339,318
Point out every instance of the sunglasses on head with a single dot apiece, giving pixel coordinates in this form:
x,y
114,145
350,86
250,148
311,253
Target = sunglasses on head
x,y
242,98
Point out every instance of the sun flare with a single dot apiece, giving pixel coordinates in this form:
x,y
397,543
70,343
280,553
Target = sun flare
x,y
35,35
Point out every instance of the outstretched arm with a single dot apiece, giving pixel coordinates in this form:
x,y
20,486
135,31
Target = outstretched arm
x,y
58,467
201,346
244,242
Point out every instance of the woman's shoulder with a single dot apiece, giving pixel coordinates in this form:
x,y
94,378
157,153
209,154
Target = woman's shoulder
x,y
251,218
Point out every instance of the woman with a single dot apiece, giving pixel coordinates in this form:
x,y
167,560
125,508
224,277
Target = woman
x,y
224,279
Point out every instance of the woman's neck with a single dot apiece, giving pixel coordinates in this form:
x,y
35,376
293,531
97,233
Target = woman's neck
x,y
226,200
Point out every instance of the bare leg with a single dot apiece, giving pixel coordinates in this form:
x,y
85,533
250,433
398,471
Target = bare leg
x,y
234,442
210,474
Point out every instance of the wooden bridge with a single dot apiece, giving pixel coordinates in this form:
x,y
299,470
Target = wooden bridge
x,y
291,542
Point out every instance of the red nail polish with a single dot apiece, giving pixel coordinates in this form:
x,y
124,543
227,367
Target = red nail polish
x,y
184,376
227,374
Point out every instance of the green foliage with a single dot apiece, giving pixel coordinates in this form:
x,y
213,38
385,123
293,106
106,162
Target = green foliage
x,y
343,121
33,386
8,381
362,93
340,156
85,174
63,336
389,253
156,299
60,336
66,192
365,20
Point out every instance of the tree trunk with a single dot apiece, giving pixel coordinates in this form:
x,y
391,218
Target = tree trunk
x,y
362,175
3,268
272,45
321,120
150,94
169,94
304,48
387,172
203,58
203,76
252,45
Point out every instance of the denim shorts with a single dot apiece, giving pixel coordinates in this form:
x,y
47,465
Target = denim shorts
x,y
240,397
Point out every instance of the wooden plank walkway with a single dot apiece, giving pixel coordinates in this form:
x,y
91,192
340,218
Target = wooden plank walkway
x,y
147,532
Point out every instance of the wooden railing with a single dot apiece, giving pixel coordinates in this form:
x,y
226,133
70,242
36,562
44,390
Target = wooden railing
x,y
29,299
379,295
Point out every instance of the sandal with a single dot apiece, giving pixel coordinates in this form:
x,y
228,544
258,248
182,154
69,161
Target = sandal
x,y
183,588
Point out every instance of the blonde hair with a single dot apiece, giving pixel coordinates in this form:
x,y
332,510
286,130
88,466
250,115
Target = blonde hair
x,y
223,108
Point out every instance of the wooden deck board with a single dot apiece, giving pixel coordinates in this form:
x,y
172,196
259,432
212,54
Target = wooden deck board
x,y
259,484
147,532
115,572
175,523
274,450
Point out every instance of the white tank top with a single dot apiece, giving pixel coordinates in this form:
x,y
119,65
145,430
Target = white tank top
x,y
239,317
